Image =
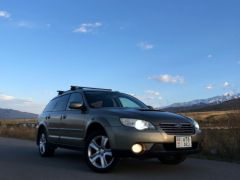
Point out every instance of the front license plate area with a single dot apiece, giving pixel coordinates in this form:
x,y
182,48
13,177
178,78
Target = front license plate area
x,y
183,141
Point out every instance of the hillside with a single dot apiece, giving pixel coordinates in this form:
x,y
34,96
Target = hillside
x,y
233,104
14,114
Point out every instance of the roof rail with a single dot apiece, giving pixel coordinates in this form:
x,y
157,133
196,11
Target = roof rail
x,y
60,92
73,88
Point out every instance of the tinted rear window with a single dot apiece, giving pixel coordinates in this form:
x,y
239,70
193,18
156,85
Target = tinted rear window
x,y
50,106
61,103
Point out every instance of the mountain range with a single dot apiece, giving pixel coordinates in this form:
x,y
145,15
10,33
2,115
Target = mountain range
x,y
225,102
14,114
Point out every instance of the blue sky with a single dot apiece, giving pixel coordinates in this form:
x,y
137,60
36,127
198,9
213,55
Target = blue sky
x,y
161,51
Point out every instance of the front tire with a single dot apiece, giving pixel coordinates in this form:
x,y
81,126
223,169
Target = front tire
x,y
172,159
44,148
98,153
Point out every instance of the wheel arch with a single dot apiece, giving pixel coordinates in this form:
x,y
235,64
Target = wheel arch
x,y
94,127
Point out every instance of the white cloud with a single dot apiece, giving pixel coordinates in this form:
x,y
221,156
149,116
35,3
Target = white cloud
x,y
150,97
153,93
21,104
145,45
209,86
5,14
6,97
166,78
31,24
226,84
26,24
210,56
87,27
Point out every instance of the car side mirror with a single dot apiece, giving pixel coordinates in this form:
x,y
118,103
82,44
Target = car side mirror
x,y
76,105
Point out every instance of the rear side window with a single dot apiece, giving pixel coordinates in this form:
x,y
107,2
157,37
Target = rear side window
x,y
75,97
50,106
61,103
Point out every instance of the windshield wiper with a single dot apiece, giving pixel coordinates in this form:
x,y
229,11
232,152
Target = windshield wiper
x,y
146,109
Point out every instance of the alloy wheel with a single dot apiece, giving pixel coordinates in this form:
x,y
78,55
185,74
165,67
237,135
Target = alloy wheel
x,y
42,143
99,152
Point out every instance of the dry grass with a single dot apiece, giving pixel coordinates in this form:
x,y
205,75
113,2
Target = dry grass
x,y
214,119
222,144
221,130
15,129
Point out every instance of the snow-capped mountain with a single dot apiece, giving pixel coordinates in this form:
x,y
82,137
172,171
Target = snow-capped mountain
x,y
208,101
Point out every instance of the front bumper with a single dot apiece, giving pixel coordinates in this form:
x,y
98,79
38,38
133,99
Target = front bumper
x,y
155,142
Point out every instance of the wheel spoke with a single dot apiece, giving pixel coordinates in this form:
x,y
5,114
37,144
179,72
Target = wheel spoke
x,y
104,141
108,153
43,148
103,162
94,158
94,145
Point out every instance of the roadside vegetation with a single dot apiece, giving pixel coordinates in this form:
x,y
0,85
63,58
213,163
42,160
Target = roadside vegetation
x,y
221,131
20,128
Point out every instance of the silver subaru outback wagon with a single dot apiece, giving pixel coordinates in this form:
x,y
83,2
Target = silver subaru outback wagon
x,y
108,125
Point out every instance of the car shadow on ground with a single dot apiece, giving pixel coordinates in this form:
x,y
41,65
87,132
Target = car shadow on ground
x,y
75,160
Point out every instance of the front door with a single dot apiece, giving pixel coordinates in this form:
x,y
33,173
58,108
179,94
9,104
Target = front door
x,y
73,123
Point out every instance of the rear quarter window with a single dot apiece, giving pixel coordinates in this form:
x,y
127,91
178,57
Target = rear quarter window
x,y
61,103
50,106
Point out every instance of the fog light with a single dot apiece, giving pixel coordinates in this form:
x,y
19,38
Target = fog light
x,y
137,148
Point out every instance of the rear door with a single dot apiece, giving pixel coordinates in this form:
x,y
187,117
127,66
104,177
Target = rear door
x,y
55,117
73,123
51,121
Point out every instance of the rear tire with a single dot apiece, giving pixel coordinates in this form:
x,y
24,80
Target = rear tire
x,y
45,149
172,159
98,153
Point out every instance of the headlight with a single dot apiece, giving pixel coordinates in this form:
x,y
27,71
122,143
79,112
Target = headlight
x,y
196,125
137,123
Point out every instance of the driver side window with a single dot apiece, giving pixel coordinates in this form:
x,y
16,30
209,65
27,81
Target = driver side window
x,y
75,97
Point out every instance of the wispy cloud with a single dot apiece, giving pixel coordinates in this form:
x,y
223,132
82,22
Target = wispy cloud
x,y
87,27
5,14
5,97
150,97
152,94
26,24
226,84
23,23
210,56
145,45
209,87
31,25
26,105
167,78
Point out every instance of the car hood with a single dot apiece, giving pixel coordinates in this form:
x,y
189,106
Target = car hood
x,y
153,116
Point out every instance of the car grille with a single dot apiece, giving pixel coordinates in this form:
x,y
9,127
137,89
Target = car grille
x,y
178,128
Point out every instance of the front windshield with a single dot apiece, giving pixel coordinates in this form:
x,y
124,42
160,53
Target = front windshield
x,y
102,99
